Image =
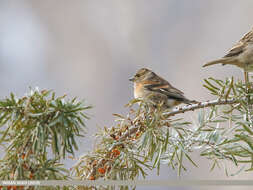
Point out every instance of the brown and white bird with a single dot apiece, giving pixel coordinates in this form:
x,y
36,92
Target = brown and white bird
x,y
241,54
149,86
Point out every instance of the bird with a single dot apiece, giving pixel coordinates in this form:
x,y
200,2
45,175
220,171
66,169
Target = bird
x,y
240,55
156,90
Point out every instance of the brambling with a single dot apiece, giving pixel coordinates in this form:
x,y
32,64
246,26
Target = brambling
x,y
149,86
241,54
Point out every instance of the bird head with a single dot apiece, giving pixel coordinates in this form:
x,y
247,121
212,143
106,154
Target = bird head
x,y
142,74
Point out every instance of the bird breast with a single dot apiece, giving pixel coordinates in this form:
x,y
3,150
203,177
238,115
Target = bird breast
x,y
138,90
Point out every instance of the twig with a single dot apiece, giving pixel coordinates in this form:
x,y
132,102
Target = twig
x,y
129,133
199,106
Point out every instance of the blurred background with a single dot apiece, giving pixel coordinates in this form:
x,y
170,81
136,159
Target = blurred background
x,y
90,48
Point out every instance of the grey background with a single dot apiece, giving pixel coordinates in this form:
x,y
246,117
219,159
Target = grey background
x,y
89,49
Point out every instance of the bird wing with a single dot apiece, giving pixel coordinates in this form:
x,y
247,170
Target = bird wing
x,y
164,87
239,47
236,50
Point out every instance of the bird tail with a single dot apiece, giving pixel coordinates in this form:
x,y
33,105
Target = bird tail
x,y
187,101
223,61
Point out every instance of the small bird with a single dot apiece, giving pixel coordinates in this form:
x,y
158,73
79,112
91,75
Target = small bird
x,y
241,54
149,86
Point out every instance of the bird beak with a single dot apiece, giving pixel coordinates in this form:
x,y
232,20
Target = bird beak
x,y
132,79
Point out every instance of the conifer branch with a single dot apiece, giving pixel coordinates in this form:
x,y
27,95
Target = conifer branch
x,y
174,112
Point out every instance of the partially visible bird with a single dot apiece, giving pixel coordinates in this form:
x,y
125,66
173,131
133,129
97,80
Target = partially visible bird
x,y
241,54
149,86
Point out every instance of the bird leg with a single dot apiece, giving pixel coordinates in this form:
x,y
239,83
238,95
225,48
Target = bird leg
x,y
247,85
246,78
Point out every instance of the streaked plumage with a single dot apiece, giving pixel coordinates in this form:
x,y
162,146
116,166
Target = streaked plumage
x,y
241,54
150,86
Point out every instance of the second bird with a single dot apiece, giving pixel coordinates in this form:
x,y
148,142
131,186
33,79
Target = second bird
x,y
241,54
149,86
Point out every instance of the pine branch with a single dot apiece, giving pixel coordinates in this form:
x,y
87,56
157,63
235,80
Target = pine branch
x,y
34,124
174,112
